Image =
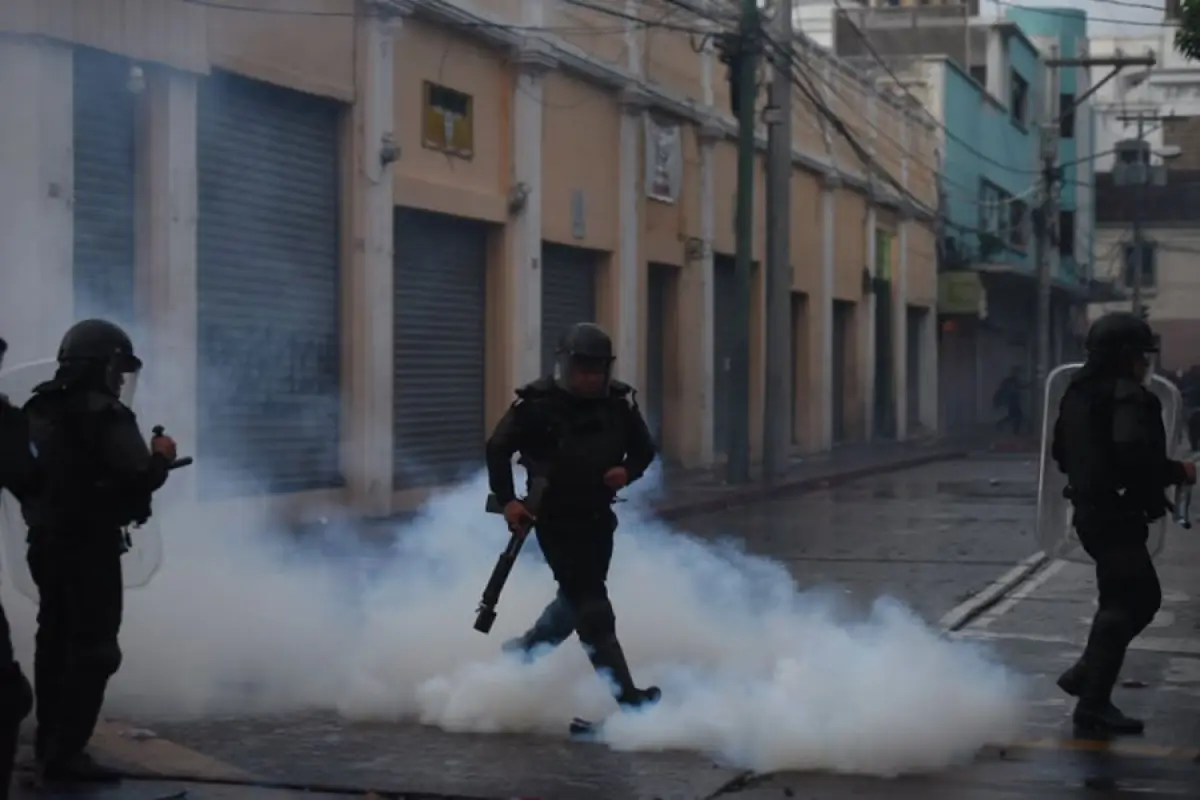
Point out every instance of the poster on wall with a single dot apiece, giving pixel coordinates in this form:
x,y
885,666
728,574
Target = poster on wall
x,y
664,160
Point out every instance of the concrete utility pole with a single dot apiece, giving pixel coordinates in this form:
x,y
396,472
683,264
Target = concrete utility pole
x,y
1045,216
777,410
748,46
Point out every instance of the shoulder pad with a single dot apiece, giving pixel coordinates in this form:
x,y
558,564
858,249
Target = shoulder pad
x,y
100,403
619,390
542,387
1127,390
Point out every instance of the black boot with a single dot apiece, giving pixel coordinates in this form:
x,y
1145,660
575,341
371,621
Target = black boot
x,y
609,657
1095,715
1072,680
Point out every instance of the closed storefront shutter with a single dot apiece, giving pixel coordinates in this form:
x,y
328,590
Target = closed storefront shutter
x,y
105,186
268,289
440,306
568,294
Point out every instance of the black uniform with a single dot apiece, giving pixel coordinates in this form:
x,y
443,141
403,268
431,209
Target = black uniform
x,y
573,441
1110,441
17,475
97,477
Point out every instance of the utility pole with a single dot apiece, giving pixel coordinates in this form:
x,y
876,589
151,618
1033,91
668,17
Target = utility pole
x,y
777,405
1045,216
748,46
1045,220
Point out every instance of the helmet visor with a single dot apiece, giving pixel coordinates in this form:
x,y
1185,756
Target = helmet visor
x,y
584,376
122,377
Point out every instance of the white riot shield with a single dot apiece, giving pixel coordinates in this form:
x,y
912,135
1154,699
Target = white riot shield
x,y
1055,533
144,557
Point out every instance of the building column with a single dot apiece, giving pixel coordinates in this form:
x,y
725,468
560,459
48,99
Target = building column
x,y
36,186
168,210
369,327
823,317
525,229
629,276
867,350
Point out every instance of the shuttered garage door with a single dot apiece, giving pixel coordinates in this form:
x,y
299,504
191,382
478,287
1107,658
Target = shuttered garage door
x,y
724,288
104,130
441,274
268,288
658,280
724,297
568,294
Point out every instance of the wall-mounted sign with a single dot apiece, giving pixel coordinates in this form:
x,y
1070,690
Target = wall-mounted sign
x,y
961,293
664,160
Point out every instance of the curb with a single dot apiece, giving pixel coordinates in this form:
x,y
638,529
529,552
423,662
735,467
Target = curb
x,y
970,610
733,498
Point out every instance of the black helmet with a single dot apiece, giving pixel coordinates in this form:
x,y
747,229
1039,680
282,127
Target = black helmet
x,y
1120,332
584,348
101,349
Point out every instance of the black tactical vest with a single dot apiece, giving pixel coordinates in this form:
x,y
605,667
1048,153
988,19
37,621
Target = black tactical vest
x,y
65,429
574,441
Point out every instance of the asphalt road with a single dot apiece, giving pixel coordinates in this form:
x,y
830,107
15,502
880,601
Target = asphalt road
x,y
931,537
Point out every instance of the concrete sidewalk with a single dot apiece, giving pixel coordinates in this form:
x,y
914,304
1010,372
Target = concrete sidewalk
x,y
690,492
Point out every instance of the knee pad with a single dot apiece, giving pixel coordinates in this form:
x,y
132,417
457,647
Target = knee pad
x,y
596,621
16,695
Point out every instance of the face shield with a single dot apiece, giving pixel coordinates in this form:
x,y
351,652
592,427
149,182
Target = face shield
x,y
584,376
122,377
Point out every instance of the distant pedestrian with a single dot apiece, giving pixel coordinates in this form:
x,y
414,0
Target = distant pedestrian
x,y
1008,396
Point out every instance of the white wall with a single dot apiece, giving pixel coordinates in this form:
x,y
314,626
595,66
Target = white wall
x,y
1172,86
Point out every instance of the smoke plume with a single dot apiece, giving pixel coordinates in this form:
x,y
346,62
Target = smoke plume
x,y
754,669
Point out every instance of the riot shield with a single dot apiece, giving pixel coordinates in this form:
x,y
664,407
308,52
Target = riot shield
x,y
1055,533
144,557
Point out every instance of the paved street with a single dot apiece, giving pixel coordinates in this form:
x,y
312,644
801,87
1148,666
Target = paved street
x,y
931,536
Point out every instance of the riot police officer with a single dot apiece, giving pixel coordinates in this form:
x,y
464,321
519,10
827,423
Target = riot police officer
x,y
97,475
584,433
18,476
1110,441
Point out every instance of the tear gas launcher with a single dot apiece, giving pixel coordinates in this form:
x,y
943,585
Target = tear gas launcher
x,y
485,615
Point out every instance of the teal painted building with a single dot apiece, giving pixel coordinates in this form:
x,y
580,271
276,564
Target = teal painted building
x,y
995,111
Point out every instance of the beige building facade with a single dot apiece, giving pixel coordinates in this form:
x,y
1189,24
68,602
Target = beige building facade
x,y
344,231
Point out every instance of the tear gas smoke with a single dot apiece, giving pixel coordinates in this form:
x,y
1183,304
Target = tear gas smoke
x,y
753,670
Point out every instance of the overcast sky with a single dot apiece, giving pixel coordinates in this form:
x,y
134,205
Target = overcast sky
x,y
1106,17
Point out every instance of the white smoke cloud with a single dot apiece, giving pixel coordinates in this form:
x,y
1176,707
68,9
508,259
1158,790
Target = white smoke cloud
x,y
753,670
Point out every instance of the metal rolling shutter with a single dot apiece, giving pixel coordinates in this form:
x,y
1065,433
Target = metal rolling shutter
x,y
913,367
842,318
724,291
656,322
105,188
441,294
268,289
568,294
